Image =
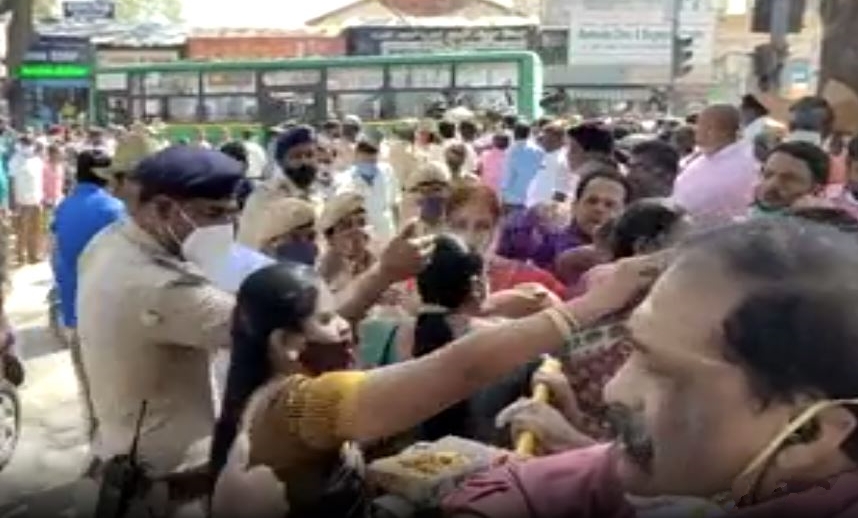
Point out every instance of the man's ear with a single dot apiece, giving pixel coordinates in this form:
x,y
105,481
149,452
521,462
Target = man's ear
x,y
163,206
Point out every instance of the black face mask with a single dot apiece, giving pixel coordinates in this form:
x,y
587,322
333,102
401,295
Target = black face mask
x,y
319,358
300,252
303,176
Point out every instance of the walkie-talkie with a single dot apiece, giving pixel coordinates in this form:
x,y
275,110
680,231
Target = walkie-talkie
x,y
124,478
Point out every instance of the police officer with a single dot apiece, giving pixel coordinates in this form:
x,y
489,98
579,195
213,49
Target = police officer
x,y
296,155
148,319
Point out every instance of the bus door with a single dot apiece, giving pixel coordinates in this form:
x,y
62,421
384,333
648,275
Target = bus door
x,y
112,102
290,95
288,105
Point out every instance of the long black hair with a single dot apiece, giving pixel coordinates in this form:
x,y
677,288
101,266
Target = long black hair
x,y
645,224
281,296
447,284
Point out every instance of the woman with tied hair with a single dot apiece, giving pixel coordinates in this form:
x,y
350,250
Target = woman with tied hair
x,y
577,415
343,224
282,228
304,411
474,213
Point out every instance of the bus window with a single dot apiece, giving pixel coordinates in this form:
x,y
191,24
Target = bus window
x,y
181,109
501,100
279,106
421,76
117,111
364,105
363,78
136,84
481,75
111,82
229,82
172,83
415,104
274,78
233,108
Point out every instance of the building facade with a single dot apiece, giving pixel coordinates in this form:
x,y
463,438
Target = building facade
x,y
620,51
232,44
420,12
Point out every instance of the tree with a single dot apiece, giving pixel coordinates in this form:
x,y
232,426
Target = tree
x,y
143,10
19,35
839,45
45,9
20,32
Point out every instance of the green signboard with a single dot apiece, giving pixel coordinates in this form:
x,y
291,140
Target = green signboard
x,y
53,71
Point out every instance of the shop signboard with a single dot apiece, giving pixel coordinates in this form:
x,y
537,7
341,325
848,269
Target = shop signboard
x,y
89,10
57,57
138,56
638,32
375,41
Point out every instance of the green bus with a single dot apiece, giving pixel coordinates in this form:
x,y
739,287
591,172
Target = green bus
x,y
218,96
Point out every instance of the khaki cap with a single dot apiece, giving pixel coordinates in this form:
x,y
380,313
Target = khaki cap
x,y
130,151
338,208
272,219
429,172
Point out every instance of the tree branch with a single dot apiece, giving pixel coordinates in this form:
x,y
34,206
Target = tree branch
x,y
7,5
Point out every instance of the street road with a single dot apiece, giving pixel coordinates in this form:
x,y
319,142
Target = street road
x,y
52,449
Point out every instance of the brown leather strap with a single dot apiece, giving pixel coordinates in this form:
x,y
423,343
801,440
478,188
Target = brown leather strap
x,y
188,486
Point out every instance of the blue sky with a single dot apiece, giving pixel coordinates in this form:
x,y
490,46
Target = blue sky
x,y
256,13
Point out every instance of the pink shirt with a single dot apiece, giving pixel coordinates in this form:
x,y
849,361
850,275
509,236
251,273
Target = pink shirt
x,y
842,198
583,484
54,180
717,189
491,167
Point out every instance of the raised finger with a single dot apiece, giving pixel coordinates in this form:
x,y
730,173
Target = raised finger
x,y
422,241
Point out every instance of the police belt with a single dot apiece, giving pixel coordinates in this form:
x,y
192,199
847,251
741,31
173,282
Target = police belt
x,y
182,487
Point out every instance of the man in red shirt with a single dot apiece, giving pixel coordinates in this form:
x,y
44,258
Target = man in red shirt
x,y
740,393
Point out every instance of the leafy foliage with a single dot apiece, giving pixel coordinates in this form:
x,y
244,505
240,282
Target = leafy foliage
x,y
44,9
144,10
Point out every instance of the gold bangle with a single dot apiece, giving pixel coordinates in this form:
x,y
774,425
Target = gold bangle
x,y
570,317
561,323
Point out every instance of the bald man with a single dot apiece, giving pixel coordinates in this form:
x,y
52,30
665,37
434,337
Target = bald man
x,y
554,179
717,186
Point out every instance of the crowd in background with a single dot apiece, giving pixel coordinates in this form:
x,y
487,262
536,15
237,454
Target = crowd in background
x,y
358,288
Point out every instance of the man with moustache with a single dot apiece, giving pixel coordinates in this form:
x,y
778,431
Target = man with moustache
x,y
794,172
740,394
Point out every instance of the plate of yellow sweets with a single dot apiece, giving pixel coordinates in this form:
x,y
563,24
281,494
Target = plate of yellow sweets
x,y
425,472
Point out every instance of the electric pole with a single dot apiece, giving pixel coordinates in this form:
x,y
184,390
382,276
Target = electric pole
x,y
779,30
676,12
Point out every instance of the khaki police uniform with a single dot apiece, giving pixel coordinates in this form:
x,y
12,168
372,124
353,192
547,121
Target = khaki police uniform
x,y
148,324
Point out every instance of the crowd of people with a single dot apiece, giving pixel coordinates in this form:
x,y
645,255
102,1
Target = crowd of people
x,y
349,291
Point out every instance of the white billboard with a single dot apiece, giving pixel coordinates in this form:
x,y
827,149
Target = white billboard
x,y
638,32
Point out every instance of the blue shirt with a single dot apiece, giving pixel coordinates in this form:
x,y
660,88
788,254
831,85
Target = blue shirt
x,y
79,217
523,161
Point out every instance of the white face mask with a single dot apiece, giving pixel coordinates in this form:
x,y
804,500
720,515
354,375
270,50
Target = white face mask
x,y
207,243
223,262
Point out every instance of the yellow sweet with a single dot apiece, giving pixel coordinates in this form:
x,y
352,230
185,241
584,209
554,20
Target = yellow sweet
x,y
433,463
